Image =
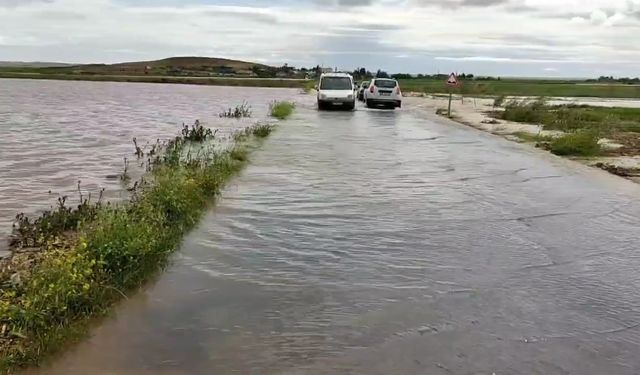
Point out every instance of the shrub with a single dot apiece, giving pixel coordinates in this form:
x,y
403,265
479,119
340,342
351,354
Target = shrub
x,y
240,111
262,130
196,133
497,102
281,110
579,144
525,111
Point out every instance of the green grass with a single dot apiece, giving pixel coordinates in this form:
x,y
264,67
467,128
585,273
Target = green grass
x,y
281,110
522,87
576,144
528,111
91,256
309,86
570,118
210,81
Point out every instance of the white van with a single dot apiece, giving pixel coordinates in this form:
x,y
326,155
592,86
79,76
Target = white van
x,y
336,90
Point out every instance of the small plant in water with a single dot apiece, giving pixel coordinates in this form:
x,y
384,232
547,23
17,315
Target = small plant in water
x,y
197,132
281,110
139,153
55,222
259,130
240,111
262,130
124,177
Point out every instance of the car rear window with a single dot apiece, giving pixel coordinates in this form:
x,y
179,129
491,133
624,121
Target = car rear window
x,y
385,83
336,83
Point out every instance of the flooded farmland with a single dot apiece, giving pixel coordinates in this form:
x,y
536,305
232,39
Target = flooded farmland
x,y
56,133
379,242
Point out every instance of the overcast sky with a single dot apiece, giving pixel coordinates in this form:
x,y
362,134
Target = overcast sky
x,y
564,38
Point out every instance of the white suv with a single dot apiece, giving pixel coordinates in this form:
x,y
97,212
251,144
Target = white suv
x,y
336,89
383,91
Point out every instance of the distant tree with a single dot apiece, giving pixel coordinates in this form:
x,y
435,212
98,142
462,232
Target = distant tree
x,y
382,74
264,72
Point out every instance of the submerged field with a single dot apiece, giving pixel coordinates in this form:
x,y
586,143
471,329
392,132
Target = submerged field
x,y
521,87
504,86
56,133
109,179
209,81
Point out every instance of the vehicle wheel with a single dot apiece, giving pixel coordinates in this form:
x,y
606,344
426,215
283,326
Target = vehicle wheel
x,y
321,106
399,105
369,103
391,106
350,106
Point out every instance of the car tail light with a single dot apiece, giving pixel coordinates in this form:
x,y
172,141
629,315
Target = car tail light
x,y
372,89
398,90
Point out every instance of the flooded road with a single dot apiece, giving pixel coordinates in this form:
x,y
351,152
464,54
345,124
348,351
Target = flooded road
x,y
55,133
391,243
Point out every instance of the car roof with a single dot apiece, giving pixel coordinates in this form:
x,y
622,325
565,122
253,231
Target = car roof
x,y
385,79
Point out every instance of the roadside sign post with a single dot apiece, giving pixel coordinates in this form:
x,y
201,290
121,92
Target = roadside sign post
x,y
452,81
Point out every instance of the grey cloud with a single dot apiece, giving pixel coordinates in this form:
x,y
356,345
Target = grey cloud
x,y
459,3
17,3
482,3
344,3
245,15
60,15
370,27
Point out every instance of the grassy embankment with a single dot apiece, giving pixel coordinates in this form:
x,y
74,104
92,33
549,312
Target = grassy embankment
x,y
583,126
72,263
523,87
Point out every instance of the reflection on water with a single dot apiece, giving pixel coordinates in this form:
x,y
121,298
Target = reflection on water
x,y
54,133
379,242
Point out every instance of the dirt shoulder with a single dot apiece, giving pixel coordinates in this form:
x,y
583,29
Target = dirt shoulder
x,y
620,152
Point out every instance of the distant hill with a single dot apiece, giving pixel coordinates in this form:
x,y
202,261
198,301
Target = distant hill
x,y
173,66
188,66
32,64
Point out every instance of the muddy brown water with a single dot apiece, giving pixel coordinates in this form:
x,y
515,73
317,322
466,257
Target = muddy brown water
x,y
380,242
56,133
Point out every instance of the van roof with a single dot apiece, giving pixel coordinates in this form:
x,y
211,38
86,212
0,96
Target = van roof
x,y
335,75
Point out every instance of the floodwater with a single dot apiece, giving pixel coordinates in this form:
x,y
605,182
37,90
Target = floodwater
x,y
379,242
55,133
597,102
